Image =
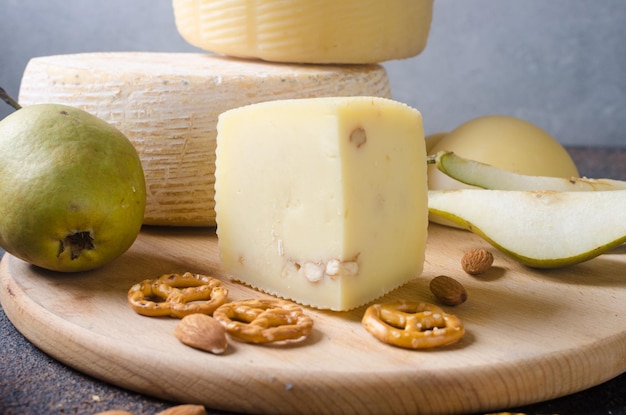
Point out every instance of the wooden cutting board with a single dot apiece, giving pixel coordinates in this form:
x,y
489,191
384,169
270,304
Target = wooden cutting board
x,y
530,335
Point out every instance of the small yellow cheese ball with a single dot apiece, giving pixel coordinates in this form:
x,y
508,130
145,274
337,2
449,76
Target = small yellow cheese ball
x,y
433,139
505,142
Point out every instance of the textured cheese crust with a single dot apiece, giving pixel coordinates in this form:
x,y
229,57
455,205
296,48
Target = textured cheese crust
x,y
167,104
322,201
307,31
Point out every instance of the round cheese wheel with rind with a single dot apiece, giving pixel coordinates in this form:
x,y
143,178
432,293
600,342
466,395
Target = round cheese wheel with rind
x,y
167,104
306,31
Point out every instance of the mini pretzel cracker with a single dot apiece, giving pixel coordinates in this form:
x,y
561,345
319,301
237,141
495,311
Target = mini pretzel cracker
x,y
412,325
177,295
264,320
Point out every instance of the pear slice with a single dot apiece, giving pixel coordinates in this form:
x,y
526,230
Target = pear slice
x,y
483,175
542,229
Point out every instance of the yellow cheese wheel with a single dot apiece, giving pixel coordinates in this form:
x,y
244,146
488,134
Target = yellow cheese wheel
x,y
307,31
168,103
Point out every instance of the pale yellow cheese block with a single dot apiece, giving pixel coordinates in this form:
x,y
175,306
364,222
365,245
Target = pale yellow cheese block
x,y
168,103
322,201
307,31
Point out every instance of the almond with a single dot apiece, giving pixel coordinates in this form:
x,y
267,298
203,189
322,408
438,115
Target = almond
x,y
477,261
448,290
202,332
184,409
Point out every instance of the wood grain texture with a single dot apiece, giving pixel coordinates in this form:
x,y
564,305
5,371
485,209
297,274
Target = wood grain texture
x,y
531,335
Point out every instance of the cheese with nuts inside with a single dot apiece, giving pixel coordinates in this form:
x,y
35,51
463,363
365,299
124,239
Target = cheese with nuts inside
x,y
306,31
322,201
167,104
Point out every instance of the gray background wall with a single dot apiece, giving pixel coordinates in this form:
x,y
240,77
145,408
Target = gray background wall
x,y
560,64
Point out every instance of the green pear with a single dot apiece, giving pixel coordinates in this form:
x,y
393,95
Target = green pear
x,y
485,176
543,229
72,188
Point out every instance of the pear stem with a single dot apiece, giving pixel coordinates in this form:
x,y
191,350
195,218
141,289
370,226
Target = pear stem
x,y
7,98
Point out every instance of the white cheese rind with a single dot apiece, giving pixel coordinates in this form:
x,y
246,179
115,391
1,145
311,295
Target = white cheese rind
x,y
168,103
322,201
306,31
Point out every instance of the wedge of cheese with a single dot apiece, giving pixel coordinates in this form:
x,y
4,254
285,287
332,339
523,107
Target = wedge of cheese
x,y
307,31
168,103
322,201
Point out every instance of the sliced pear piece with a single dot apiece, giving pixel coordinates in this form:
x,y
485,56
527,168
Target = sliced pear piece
x,y
483,175
542,229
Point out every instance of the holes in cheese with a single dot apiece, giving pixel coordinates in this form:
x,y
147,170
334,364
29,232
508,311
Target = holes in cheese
x,y
167,104
306,31
322,201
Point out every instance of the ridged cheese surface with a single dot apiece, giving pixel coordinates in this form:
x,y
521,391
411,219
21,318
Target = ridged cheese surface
x,y
167,104
307,31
